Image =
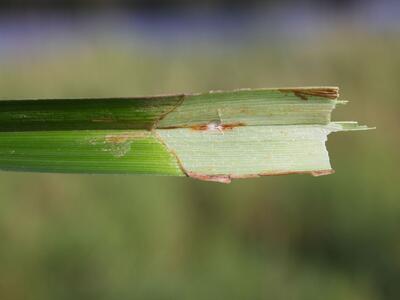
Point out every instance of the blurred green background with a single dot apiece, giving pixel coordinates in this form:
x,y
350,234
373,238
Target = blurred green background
x,y
133,237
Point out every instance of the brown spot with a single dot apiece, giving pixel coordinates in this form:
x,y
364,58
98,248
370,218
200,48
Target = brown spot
x,y
199,127
222,127
117,139
169,127
124,137
277,173
322,172
305,93
214,178
245,176
223,178
119,144
313,173
231,126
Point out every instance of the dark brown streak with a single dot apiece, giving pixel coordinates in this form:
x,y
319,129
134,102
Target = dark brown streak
x,y
223,178
213,178
329,93
223,127
313,173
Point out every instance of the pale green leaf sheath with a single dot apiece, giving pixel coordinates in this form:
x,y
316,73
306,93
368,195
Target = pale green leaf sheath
x,y
215,136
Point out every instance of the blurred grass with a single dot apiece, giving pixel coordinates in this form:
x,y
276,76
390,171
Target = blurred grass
x,y
289,237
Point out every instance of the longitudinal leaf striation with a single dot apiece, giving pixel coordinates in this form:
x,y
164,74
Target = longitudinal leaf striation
x,y
213,136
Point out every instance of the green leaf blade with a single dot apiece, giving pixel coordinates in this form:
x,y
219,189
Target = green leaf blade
x,y
106,152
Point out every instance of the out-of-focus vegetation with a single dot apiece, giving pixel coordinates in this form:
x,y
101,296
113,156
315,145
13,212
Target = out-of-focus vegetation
x,y
288,237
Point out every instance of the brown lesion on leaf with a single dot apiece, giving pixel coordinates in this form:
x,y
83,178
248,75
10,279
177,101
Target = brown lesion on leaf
x,y
213,178
305,93
322,173
119,144
313,173
120,138
216,126
209,126
223,178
